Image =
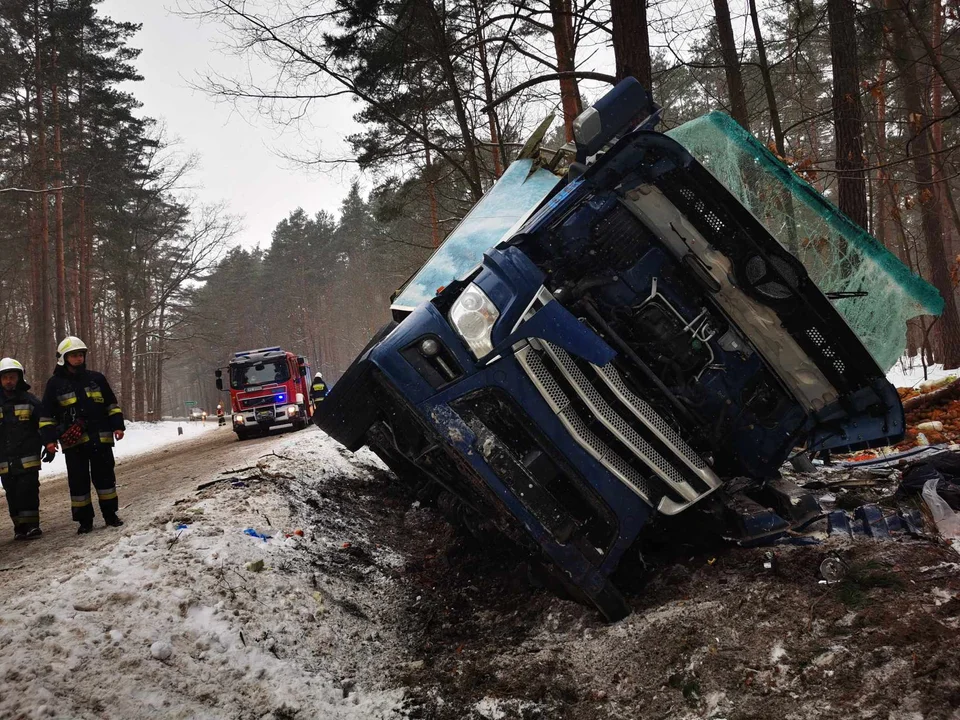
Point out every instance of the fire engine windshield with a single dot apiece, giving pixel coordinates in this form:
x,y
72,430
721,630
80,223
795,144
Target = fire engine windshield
x,y
261,373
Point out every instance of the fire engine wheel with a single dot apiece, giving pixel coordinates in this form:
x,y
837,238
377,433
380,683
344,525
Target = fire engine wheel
x,y
241,434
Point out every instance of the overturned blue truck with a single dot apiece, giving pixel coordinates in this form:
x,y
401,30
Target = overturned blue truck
x,y
623,337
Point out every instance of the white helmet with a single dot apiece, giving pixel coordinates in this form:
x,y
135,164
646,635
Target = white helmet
x,y
7,364
67,345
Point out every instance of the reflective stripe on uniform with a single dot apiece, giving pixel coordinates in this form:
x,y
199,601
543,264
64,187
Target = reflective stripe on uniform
x,y
67,399
109,493
23,412
319,386
80,500
47,422
113,409
31,461
106,438
83,438
27,517
95,395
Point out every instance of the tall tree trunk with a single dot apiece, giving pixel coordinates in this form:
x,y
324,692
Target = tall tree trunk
x,y
42,238
495,141
157,403
847,115
80,231
631,41
126,357
767,81
936,109
565,46
139,371
61,312
907,58
431,188
443,56
731,64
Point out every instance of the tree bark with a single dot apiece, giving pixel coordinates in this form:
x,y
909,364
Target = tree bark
x,y
767,82
907,58
731,64
631,41
42,238
61,311
938,397
443,55
847,114
565,46
495,146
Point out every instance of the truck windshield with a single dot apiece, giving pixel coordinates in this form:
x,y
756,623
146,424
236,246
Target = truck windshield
x,y
273,371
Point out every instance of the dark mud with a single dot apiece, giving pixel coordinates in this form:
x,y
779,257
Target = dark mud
x,y
717,631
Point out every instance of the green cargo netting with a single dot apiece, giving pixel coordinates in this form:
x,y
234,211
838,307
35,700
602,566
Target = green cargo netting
x,y
838,254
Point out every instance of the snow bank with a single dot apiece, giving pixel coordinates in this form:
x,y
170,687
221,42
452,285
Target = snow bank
x,y
908,372
196,618
139,438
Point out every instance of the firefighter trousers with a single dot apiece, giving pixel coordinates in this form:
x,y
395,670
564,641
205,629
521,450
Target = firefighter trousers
x,y
23,499
88,462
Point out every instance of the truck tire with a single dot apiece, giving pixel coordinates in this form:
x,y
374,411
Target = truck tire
x,y
241,435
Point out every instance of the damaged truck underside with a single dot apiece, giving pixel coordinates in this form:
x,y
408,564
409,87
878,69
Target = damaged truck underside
x,y
631,340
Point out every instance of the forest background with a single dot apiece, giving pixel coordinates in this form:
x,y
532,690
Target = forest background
x,y
101,237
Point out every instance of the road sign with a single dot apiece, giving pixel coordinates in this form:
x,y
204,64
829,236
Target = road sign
x,y
190,403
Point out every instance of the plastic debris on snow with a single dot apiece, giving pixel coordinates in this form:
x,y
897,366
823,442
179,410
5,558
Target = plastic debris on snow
x,y
252,532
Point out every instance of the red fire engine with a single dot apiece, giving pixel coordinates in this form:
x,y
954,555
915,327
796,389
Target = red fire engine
x,y
269,388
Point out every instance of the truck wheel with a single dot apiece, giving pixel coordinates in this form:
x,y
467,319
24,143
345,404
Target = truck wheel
x,y
241,435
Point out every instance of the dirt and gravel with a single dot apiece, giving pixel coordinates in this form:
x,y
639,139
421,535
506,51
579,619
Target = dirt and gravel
x,y
380,609
715,634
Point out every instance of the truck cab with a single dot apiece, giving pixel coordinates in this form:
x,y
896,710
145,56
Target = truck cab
x,y
268,389
616,343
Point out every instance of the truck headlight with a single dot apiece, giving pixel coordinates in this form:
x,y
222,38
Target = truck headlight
x,y
238,420
291,411
473,316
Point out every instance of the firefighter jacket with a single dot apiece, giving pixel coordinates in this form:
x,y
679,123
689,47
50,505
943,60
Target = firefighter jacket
x,y
19,431
318,390
85,399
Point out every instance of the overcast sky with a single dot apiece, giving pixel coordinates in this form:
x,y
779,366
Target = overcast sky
x,y
239,161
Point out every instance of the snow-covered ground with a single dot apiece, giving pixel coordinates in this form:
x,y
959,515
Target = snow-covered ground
x,y
139,438
195,618
908,372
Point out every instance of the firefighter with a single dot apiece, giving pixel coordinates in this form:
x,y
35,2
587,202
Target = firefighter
x,y
318,391
86,420
20,450
221,419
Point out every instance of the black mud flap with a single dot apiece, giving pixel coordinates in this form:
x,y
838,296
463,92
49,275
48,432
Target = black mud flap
x,y
352,406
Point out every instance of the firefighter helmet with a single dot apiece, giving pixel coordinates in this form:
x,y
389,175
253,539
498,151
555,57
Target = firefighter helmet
x,y
7,364
68,345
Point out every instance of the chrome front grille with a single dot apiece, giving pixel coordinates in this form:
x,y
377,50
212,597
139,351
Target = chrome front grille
x,y
533,365
668,484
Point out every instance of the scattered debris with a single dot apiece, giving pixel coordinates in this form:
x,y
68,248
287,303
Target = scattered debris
x,y
252,532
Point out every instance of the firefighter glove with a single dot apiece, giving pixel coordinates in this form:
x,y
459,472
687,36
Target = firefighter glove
x,y
48,455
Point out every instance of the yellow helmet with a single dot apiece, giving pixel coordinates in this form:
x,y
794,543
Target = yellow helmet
x,y
67,345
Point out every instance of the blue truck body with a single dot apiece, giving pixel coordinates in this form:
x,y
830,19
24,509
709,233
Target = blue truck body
x,y
635,342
